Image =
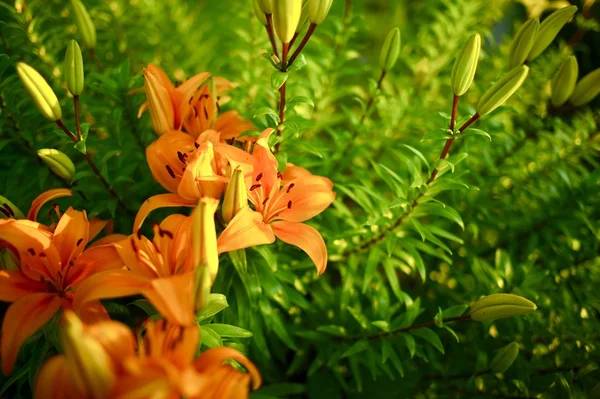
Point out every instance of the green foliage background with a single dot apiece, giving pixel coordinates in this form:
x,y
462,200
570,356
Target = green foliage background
x,y
518,214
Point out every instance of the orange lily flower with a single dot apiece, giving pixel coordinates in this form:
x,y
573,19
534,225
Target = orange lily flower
x,y
282,202
51,267
169,105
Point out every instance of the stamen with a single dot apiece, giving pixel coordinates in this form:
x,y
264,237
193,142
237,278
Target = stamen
x,y
196,145
31,251
260,176
195,111
255,186
265,201
206,96
289,205
170,171
133,245
9,209
79,241
289,188
205,113
279,175
165,233
181,157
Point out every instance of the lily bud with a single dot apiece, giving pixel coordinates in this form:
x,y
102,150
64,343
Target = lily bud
x,y
9,209
523,41
266,6
286,15
501,91
159,102
236,196
586,89
204,236
564,82
84,24
260,15
504,358
304,22
74,68
42,94
465,65
89,362
318,10
549,29
390,50
58,162
499,306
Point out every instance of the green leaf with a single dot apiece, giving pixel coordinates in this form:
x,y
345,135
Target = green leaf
x,y
266,111
284,389
209,337
370,268
145,305
37,360
438,134
81,174
278,78
214,304
299,63
16,376
429,336
299,100
357,347
229,331
454,311
474,132
337,331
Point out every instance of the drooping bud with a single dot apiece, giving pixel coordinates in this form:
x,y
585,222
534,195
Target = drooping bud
x,y
549,28
42,94
523,42
586,89
236,196
304,22
204,235
501,91
9,209
74,68
499,306
465,65
504,358
564,81
390,50
260,15
84,24
318,10
58,162
286,15
266,6
87,359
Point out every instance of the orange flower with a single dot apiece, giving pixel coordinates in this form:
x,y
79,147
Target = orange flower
x,y
282,203
51,267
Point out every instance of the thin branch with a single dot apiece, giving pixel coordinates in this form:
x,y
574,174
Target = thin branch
x,y
305,39
285,47
77,122
271,34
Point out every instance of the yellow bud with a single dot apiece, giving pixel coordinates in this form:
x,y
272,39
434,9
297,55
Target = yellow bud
x,y
564,81
304,22
286,15
266,6
204,235
10,210
318,10
501,91
523,42
499,306
88,361
504,358
39,90
586,89
260,15
74,68
465,65
236,196
390,50
58,162
549,29
84,24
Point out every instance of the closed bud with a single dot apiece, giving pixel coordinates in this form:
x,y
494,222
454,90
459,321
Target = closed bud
x,y
318,10
564,81
390,50
84,24
501,91
304,22
523,42
286,15
42,94
504,358
586,89
236,196
266,6
9,209
58,162
549,28
204,236
499,306
465,65
260,15
89,362
74,68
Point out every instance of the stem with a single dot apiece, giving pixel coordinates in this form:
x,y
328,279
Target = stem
x,y
372,98
271,34
305,39
293,39
77,123
67,131
347,11
285,47
96,60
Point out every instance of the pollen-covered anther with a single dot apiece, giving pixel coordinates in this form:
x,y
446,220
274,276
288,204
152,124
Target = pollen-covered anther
x,y
289,205
255,186
260,176
265,201
289,188
79,241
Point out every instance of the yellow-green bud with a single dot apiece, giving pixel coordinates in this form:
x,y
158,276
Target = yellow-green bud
x,y
390,50
304,22
84,24
10,210
465,65
42,94
564,81
586,89
236,196
266,6
286,15
74,68
499,306
501,91
549,28
58,162
204,236
523,42
318,10
504,358
260,15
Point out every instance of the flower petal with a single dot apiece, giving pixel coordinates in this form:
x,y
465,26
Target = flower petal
x,y
96,226
214,358
246,229
183,95
94,260
116,338
304,237
165,155
231,124
159,201
160,104
45,197
22,319
54,381
71,235
304,198
173,298
14,285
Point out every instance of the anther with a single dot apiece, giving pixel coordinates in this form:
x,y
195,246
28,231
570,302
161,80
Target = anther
x,y
31,251
254,187
265,201
260,176
79,241
289,188
289,204
205,113
181,156
196,145
170,171
279,175
195,111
